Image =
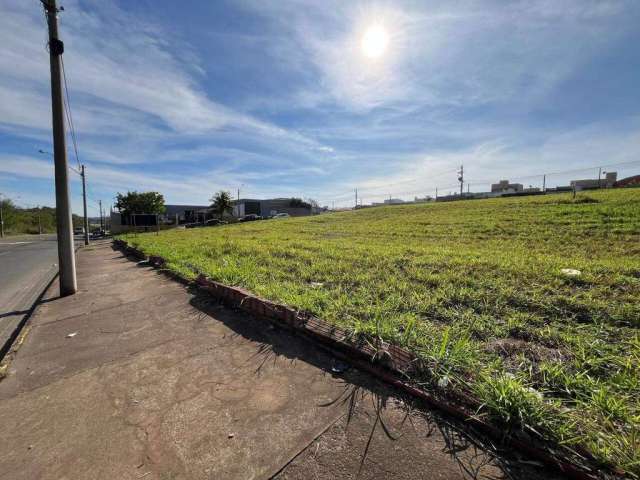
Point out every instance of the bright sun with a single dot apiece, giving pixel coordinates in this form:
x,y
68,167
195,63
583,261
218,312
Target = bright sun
x,y
375,41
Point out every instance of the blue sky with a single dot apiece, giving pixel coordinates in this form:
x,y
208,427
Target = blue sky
x,y
280,98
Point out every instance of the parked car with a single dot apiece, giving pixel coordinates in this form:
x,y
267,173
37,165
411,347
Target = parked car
x,y
78,231
250,218
214,221
281,215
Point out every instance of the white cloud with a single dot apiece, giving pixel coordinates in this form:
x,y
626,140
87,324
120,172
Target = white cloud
x,y
124,79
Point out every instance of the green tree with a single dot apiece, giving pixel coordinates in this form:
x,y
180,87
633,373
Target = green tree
x,y
298,203
140,202
221,203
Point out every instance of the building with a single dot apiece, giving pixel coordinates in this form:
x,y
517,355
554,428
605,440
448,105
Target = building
x,y
173,215
269,207
608,181
503,186
184,213
389,201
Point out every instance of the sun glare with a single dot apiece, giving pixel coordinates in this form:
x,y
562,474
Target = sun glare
x,y
375,41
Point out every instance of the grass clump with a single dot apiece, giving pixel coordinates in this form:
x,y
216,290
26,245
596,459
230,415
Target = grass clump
x,y
509,400
476,290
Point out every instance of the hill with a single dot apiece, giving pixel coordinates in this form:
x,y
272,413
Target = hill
x,y
478,289
19,220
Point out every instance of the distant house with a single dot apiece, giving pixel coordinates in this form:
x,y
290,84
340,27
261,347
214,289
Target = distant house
x,y
607,182
270,207
503,186
389,201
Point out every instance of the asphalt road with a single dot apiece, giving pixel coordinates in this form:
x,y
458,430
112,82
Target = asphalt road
x,y
27,264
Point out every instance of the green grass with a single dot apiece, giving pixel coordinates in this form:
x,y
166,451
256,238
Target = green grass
x,y
475,288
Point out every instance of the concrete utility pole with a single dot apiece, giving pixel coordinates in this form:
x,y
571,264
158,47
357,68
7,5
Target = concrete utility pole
x,y
544,183
84,206
461,178
1,219
356,198
39,221
64,225
599,176
101,224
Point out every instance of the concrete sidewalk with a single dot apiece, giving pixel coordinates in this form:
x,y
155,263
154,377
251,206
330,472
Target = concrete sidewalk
x,y
136,376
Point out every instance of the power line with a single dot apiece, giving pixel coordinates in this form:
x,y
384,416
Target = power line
x,y
67,109
564,172
386,185
345,199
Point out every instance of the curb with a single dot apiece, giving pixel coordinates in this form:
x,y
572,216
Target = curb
x,y
50,277
389,363
8,344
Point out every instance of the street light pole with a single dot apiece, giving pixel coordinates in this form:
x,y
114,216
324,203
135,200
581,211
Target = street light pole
x,y
84,206
1,219
101,225
599,177
64,225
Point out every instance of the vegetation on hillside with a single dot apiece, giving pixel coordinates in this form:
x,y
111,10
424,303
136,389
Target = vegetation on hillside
x,y
478,290
18,220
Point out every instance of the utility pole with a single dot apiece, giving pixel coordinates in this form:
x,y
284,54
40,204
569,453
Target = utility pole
x,y
599,175
64,225
84,206
39,221
461,178
544,183
356,198
436,193
101,225
1,219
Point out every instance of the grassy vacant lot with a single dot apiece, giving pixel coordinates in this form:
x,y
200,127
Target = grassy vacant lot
x,y
475,288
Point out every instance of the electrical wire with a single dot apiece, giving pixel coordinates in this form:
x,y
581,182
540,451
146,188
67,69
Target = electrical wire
x,y
343,200
67,109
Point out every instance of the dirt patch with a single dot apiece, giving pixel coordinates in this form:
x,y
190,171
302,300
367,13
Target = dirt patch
x,y
511,350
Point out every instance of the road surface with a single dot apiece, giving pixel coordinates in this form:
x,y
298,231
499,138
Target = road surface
x,y
27,264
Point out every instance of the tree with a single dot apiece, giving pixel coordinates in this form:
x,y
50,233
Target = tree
x,y
140,202
298,203
27,220
221,203
312,202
